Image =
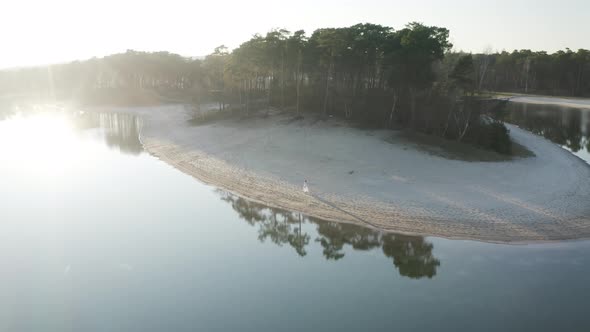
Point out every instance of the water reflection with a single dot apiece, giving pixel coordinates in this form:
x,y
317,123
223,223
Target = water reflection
x,y
568,127
411,255
121,131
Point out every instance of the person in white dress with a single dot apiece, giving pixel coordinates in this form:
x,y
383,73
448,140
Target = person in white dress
x,y
305,187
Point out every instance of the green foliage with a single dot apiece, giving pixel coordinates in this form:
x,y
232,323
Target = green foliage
x,y
463,73
493,136
524,71
421,46
366,72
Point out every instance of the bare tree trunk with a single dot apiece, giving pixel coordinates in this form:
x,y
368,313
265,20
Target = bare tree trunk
x,y
483,71
448,119
221,92
355,80
248,91
240,94
282,81
297,91
299,78
579,80
327,89
413,108
464,130
466,126
527,66
392,108
271,78
258,85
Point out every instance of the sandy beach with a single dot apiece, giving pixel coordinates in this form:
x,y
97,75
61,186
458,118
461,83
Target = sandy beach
x,y
558,101
373,178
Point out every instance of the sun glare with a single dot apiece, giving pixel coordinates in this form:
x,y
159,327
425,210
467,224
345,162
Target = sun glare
x,y
41,143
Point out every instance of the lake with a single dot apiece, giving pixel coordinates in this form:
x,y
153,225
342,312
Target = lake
x,y
97,235
566,126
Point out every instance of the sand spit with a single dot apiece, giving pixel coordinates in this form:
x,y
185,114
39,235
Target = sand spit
x,y
557,101
367,177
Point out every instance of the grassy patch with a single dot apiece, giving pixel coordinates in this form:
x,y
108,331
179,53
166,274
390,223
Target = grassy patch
x,y
457,150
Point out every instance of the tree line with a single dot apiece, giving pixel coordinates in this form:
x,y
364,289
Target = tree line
x,y
370,73
563,73
367,72
116,78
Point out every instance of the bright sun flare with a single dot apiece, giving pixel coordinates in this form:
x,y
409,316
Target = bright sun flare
x,y
42,143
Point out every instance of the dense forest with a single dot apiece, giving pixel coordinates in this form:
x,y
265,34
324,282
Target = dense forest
x,y
125,78
563,73
406,78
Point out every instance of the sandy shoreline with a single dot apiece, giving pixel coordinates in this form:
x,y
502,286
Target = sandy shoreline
x,y
365,177
557,101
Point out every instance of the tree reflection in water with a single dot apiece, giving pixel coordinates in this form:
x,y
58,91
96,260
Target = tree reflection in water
x,y
411,255
568,127
279,226
119,130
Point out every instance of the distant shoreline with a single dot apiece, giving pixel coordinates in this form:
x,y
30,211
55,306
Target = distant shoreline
x,y
358,176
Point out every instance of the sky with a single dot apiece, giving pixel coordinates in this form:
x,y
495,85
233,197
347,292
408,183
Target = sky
x,y
36,32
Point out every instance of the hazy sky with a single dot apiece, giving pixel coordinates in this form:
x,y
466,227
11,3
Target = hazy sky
x,y
49,31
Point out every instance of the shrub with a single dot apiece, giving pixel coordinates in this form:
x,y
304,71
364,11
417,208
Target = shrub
x,y
492,136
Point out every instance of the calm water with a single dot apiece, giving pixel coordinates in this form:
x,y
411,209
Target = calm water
x,y
96,235
568,127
